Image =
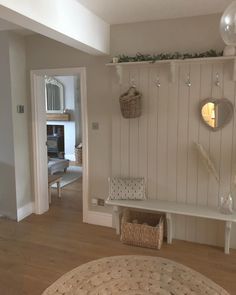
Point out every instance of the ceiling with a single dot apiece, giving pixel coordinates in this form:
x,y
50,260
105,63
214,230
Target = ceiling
x,y
130,11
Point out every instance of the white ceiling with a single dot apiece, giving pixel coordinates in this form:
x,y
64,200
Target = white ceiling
x,y
129,11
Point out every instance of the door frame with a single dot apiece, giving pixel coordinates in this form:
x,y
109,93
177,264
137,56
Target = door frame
x,y
41,206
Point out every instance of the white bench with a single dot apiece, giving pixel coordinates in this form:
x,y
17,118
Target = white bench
x,y
170,208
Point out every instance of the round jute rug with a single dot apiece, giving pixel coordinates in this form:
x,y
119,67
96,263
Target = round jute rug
x,y
134,275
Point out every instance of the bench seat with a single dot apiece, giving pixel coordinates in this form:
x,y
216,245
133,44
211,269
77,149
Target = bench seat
x,y
170,208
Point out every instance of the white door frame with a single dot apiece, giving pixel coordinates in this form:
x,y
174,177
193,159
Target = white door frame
x,y
37,106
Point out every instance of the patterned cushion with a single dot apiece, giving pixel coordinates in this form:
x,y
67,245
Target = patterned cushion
x,y
126,188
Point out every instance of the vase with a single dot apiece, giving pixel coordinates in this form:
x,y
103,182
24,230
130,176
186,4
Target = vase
x,y
226,204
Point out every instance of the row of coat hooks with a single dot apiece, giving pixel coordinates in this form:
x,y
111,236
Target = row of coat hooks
x,y
187,81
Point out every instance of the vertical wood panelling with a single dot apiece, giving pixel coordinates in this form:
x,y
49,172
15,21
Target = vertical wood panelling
x,y
160,144
172,140
203,138
182,147
116,127
214,151
143,124
162,132
193,128
233,165
134,131
125,131
172,137
152,134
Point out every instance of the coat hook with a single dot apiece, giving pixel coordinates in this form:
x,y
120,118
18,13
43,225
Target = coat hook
x,y
157,82
132,83
217,81
188,81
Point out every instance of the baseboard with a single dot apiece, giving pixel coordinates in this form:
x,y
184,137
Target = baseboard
x,y
25,211
98,218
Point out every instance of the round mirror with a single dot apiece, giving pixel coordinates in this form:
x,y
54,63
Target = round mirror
x,y
216,113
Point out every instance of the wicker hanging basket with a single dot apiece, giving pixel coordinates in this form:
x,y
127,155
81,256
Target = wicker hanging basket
x,y
130,103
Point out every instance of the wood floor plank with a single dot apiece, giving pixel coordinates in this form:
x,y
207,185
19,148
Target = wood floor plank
x,y
38,250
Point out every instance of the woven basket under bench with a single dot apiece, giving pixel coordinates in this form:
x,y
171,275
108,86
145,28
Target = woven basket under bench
x,y
142,229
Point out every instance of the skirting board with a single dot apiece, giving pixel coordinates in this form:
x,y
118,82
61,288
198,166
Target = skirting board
x,y
98,218
25,211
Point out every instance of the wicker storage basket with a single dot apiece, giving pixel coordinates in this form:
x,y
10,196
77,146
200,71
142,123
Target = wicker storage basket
x,y
130,103
78,155
142,229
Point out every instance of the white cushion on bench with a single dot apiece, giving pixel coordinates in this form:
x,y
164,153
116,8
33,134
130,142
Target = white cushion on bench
x,y
121,188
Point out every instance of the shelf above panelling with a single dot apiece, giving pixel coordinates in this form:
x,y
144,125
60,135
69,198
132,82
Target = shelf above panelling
x,y
172,64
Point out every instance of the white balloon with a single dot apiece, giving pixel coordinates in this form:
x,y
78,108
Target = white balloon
x,y
228,24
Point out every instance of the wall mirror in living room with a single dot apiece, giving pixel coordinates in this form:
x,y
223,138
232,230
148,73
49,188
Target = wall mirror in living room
x,y
216,113
54,94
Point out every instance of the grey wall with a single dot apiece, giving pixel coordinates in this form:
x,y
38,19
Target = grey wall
x,y
7,157
15,180
43,53
191,34
20,121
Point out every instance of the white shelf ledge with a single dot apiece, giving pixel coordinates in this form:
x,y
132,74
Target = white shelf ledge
x,y
173,63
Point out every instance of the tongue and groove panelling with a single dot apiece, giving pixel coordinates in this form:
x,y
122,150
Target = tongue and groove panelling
x,y
160,144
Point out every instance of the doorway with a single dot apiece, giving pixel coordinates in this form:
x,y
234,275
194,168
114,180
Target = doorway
x,y
39,136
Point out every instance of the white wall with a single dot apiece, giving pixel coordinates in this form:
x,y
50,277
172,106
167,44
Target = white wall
x,y
14,128
191,34
185,35
20,121
7,157
44,53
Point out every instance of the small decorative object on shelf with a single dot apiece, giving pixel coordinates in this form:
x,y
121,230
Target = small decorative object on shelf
x,y
226,204
164,56
228,29
115,60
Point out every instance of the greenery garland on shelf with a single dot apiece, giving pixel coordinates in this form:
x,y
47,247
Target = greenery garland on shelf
x,y
166,56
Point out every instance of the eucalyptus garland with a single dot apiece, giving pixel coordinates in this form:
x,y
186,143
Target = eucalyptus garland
x,y
167,56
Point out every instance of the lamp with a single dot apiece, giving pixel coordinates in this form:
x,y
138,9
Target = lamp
x,y
228,29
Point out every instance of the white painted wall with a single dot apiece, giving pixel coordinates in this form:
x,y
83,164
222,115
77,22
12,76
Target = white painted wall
x,y
20,121
192,34
66,21
174,35
45,53
14,128
7,157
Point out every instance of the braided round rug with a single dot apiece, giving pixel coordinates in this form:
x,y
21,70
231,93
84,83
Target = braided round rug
x,y
133,275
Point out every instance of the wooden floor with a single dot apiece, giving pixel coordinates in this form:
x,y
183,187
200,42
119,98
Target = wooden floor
x,y
38,250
